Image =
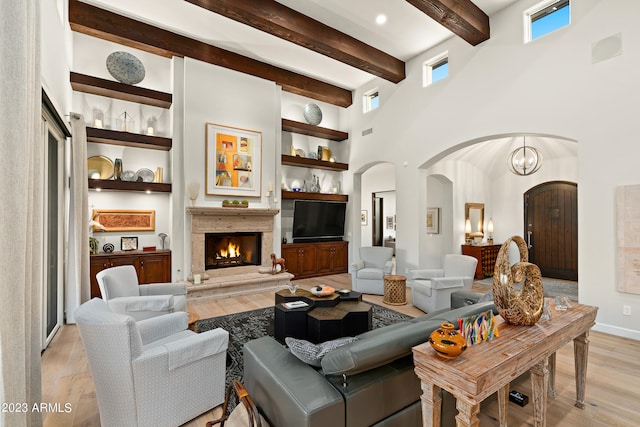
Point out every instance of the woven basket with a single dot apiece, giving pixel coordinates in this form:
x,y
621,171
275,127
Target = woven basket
x,y
395,290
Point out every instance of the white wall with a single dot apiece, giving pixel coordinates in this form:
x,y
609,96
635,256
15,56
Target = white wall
x,y
503,86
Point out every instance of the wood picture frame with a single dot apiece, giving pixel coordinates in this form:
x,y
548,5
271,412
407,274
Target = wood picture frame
x,y
117,220
233,161
433,221
128,243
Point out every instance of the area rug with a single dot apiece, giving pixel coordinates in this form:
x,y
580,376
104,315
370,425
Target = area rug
x,y
552,287
249,325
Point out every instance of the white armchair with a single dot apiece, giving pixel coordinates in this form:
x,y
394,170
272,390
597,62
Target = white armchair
x,y
154,372
120,289
375,262
431,289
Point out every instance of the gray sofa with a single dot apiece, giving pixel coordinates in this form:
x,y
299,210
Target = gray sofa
x,y
368,382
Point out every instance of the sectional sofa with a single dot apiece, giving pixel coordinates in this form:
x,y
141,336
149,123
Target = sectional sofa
x,y
369,382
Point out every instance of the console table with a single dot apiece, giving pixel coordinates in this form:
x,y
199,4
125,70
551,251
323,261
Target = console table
x,y
489,367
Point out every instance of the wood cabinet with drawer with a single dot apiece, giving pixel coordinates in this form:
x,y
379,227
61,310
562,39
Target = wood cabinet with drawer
x,y
486,256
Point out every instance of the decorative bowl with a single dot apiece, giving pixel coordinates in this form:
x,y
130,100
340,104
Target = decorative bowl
x,y
322,291
292,288
125,68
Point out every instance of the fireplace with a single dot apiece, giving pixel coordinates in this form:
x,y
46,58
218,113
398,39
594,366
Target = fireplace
x,y
224,250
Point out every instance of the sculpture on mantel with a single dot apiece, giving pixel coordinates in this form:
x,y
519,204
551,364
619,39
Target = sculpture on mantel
x,y
275,262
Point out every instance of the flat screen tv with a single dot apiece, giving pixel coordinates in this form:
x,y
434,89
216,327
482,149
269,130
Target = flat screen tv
x,y
316,221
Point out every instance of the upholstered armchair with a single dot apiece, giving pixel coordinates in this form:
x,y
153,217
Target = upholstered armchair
x,y
375,262
120,289
154,372
431,289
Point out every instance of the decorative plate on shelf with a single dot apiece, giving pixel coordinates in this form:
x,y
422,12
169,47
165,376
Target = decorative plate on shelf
x,y
312,114
102,164
144,175
108,247
300,153
128,175
125,68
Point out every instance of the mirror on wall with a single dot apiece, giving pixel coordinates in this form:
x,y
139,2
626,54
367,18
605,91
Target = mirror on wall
x,y
474,220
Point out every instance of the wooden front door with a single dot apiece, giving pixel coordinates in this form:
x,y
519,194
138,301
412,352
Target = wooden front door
x,y
551,228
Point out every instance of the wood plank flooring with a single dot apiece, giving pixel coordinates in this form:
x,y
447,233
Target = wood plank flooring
x,y
612,392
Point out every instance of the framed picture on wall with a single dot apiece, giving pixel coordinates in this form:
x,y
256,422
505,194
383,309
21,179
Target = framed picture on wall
x,y
390,223
363,217
233,161
433,220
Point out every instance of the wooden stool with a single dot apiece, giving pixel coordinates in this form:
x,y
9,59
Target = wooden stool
x,y
395,290
193,321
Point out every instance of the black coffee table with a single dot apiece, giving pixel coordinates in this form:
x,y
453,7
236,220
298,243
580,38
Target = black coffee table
x,y
324,319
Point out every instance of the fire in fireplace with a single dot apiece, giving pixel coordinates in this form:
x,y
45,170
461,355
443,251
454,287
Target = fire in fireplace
x,y
232,249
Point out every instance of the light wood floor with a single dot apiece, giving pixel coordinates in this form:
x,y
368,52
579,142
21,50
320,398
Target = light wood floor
x,y
612,392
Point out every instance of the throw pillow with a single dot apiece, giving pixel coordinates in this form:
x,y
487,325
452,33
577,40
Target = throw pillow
x,y
486,297
312,354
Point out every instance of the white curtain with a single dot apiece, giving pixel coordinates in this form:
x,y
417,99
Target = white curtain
x,y
77,286
22,196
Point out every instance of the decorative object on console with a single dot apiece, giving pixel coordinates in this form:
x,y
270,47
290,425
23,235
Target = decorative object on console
x,y
525,160
93,245
312,114
433,220
125,68
447,342
478,328
108,248
163,238
111,220
523,307
233,161
277,262
467,231
129,243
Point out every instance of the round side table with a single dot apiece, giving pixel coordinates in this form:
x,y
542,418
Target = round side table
x,y
395,290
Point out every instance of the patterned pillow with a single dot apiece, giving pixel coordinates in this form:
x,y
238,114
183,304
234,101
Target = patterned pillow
x,y
312,354
486,297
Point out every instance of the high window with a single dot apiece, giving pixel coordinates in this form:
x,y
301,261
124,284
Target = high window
x,y
370,101
435,69
545,18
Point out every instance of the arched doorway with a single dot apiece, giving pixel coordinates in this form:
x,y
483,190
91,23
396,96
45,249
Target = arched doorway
x,y
551,228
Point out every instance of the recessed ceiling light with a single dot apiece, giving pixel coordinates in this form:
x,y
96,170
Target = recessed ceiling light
x,y
381,19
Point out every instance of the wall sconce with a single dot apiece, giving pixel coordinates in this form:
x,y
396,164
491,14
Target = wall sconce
x,y
193,189
467,231
270,194
490,231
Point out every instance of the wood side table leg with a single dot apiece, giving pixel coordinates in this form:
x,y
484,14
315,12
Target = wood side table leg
x,y
467,413
551,391
581,354
539,381
431,404
503,404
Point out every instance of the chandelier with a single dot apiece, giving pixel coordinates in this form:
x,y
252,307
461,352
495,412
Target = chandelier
x,y
525,160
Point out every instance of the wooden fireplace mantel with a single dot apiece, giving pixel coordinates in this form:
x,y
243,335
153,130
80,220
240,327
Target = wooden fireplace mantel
x,y
213,211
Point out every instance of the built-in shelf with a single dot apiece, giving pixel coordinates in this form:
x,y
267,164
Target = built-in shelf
x,y
301,195
311,130
114,185
313,163
114,137
111,89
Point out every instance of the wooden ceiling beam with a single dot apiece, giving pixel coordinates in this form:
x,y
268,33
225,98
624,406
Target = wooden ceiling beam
x,y
91,20
462,17
283,22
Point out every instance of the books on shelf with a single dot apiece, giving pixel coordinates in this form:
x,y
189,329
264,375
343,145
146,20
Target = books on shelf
x,y
294,304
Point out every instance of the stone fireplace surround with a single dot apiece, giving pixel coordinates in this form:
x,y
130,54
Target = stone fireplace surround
x,y
232,281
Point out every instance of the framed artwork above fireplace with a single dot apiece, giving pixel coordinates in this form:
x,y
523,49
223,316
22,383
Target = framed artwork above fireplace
x,y
233,161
